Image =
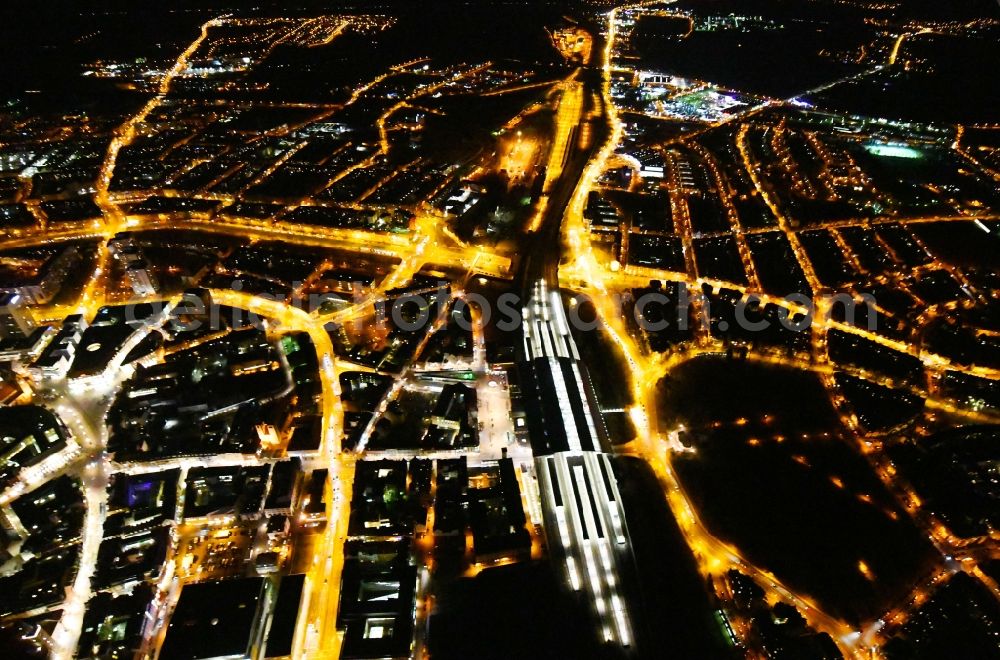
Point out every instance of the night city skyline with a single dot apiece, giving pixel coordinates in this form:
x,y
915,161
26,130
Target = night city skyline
x,y
500,330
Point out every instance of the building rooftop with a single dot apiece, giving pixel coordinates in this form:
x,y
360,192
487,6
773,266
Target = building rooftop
x,y
215,620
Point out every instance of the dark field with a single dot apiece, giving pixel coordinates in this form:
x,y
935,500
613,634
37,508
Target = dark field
x,y
782,61
788,490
